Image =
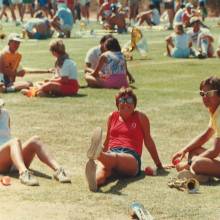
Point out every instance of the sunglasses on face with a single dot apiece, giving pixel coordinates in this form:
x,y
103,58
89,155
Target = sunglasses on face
x,y
128,100
208,93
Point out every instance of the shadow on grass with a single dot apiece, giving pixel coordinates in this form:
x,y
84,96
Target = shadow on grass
x,y
162,172
40,174
79,95
86,86
15,174
122,183
213,182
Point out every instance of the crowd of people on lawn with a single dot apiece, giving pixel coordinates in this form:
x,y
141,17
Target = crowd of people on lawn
x,y
106,67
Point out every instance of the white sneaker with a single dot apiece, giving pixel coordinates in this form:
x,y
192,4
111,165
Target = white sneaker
x,y
96,144
91,175
187,175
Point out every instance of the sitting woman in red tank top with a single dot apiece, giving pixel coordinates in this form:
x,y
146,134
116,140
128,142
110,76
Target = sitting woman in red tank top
x,y
126,132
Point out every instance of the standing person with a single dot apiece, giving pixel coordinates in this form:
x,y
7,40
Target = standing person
x,y
8,5
178,43
133,10
65,81
84,8
17,156
169,7
10,66
203,9
203,161
63,21
111,70
156,4
127,129
201,39
27,6
19,4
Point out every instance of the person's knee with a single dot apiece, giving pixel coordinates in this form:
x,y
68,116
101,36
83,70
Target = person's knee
x,y
15,142
35,142
196,164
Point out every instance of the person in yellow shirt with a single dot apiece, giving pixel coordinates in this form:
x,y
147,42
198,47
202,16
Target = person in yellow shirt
x,y
10,66
203,161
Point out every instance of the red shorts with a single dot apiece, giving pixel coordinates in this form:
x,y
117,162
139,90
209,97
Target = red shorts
x,y
69,88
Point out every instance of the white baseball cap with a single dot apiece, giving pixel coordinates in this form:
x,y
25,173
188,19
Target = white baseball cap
x,y
14,37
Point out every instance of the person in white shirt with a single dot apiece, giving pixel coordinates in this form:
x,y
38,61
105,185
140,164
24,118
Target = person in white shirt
x,y
152,16
201,39
93,54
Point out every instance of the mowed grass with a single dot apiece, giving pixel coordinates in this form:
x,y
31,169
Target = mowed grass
x,y
167,91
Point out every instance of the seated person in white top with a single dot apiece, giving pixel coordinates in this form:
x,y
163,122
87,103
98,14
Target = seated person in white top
x,y
203,161
178,43
111,70
152,16
17,156
201,39
65,82
93,55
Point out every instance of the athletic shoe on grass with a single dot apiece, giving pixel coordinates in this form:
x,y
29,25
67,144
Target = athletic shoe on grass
x,y
28,179
91,175
61,176
96,144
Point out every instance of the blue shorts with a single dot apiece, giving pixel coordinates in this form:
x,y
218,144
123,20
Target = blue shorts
x,y
125,150
40,36
180,53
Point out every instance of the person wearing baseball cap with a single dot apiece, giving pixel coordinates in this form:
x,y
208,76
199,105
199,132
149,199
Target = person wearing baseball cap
x,y
187,14
10,66
201,38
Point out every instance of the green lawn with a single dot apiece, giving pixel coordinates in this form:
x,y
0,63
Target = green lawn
x,y
167,91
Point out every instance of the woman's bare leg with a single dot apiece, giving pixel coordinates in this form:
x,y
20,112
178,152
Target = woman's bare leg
x,y
123,163
11,153
206,166
34,146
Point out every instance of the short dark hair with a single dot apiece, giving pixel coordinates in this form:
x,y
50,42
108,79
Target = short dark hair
x,y
213,82
125,92
105,37
112,44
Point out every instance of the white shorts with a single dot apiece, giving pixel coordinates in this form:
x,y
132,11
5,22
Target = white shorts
x,y
66,27
16,2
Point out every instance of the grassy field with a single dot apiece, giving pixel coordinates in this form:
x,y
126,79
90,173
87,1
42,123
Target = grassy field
x,y
167,91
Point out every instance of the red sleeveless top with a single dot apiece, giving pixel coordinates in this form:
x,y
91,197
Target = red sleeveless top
x,y
127,133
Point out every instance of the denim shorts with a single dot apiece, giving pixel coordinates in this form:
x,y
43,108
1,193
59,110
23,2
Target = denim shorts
x,y
126,150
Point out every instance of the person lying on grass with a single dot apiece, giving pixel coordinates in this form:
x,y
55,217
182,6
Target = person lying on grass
x,y
17,156
65,81
10,66
201,161
127,129
111,70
